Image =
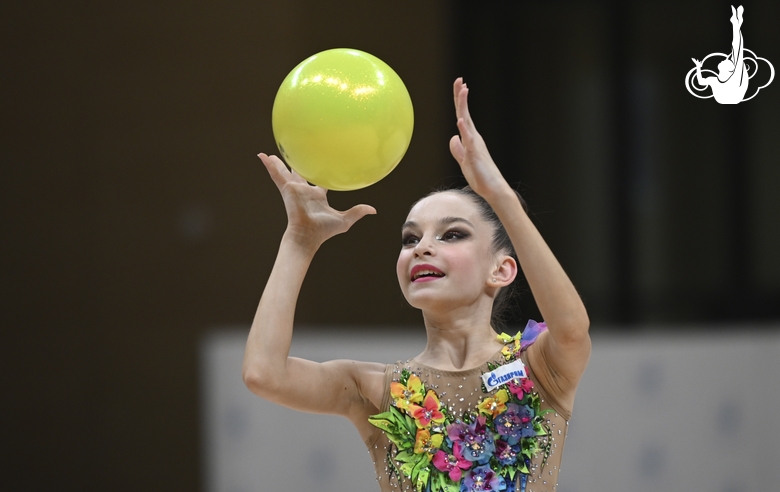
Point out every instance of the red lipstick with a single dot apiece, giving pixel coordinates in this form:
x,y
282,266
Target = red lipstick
x,y
425,273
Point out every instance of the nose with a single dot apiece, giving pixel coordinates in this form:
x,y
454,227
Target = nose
x,y
424,247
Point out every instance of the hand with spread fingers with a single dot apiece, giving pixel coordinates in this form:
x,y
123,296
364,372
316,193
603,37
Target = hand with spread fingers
x,y
469,149
310,219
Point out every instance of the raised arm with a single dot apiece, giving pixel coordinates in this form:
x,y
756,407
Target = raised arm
x,y
565,348
268,371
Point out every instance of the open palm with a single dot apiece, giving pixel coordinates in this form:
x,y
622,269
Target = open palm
x,y
309,216
469,149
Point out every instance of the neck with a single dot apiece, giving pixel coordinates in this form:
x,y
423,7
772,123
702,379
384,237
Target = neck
x,y
457,342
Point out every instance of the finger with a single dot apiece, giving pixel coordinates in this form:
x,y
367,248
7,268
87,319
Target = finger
x,y
463,100
468,134
456,148
276,169
456,86
297,177
358,212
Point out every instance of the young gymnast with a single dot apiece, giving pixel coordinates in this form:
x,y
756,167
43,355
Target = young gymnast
x,y
473,411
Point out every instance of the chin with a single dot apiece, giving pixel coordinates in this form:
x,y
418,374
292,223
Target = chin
x,y
432,302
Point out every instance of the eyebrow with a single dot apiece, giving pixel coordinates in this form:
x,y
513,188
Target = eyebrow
x,y
442,221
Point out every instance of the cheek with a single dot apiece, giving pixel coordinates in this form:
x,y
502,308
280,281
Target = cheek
x,y
462,263
402,266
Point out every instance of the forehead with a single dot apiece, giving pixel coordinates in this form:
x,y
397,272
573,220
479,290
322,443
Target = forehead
x,y
445,204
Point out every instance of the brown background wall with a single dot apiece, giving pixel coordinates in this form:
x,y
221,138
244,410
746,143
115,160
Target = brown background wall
x,y
137,216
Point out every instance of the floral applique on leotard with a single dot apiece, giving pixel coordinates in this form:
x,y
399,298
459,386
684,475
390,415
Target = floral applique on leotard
x,y
488,448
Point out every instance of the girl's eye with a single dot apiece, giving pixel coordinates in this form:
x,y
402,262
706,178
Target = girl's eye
x,y
453,235
409,240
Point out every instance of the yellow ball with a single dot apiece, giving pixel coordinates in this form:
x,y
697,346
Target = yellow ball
x,y
343,119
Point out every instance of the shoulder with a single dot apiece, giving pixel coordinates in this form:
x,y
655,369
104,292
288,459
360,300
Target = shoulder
x,y
369,378
370,382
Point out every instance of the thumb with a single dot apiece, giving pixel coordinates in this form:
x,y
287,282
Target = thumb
x,y
456,148
358,212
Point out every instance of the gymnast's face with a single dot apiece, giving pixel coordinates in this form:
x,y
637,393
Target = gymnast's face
x,y
446,259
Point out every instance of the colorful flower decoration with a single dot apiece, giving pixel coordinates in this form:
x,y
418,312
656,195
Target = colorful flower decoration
x,y
482,478
513,345
495,405
506,453
478,442
453,463
424,442
531,332
483,450
515,423
511,349
428,412
521,387
406,394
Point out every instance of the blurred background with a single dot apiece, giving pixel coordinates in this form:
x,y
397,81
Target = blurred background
x,y
137,219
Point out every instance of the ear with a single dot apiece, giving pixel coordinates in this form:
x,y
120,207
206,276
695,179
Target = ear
x,y
504,273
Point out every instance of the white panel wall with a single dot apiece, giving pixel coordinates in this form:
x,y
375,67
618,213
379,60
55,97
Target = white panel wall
x,y
678,410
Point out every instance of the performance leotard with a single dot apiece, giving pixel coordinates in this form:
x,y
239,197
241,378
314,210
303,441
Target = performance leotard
x,y
446,431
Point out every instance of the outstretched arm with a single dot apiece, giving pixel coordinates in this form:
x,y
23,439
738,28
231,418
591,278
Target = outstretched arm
x,y
701,80
566,347
268,371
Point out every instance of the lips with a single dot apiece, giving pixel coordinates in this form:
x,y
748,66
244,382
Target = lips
x,y
425,273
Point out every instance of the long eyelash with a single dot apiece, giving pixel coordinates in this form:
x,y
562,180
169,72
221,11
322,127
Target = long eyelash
x,y
457,234
406,239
